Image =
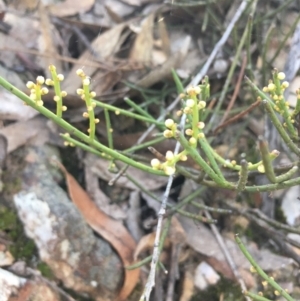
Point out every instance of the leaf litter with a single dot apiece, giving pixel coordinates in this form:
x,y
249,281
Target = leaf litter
x,y
129,49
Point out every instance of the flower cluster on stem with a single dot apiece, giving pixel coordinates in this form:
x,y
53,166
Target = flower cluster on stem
x,y
193,106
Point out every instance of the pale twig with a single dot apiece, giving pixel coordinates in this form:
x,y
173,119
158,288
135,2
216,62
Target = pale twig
x,y
151,278
161,213
174,272
227,255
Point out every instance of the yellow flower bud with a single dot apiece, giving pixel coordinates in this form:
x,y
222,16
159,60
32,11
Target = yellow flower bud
x,y
168,134
265,89
56,98
169,170
192,141
80,73
79,91
271,87
40,80
30,85
49,82
63,94
155,163
169,123
60,77
169,156
201,104
187,110
93,94
281,76
200,125
189,132
190,102
86,82
44,91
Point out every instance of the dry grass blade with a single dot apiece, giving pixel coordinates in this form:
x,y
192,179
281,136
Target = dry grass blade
x,y
113,231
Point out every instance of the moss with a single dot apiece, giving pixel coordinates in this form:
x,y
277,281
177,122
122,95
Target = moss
x,y
22,247
45,270
229,290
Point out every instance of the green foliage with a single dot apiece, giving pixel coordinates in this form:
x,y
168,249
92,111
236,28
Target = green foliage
x,y
22,247
191,134
229,290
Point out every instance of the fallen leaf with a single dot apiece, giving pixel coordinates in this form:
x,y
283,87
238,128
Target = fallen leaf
x,y
12,108
187,286
70,7
47,42
113,231
100,198
22,132
176,235
141,51
100,167
104,46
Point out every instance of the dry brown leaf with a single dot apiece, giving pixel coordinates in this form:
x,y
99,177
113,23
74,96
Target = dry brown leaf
x,y
47,45
12,108
20,133
176,235
105,45
113,231
188,286
144,244
100,198
141,51
71,7
100,167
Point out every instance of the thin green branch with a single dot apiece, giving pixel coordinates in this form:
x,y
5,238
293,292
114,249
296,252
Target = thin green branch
x,y
73,131
108,129
286,138
259,270
243,177
199,160
267,163
127,113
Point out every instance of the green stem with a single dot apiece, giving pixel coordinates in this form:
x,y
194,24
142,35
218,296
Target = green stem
x,y
90,111
267,163
141,110
243,176
108,129
199,160
73,131
286,138
259,270
255,297
127,113
260,93
144,145
57,90
231,70
139,263
207,150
